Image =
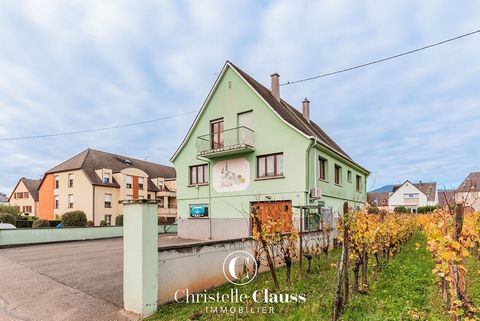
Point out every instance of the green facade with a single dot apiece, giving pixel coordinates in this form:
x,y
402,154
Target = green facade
x,y
228,212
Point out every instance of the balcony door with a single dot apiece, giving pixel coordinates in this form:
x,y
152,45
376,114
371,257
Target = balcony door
x,y
216,133
245,128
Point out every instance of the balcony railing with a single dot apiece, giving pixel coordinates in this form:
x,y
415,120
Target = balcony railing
x,y
229,141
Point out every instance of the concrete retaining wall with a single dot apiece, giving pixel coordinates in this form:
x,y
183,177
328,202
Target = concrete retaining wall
x,y
51,235
197,266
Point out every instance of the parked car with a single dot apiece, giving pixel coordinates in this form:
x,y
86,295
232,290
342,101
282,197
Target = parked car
x,y
6,226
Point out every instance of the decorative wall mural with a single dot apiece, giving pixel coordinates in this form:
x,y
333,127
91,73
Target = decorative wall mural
x,y
231,175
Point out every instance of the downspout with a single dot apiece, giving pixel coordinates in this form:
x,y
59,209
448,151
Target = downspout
x,y
93,207
209,196
307,162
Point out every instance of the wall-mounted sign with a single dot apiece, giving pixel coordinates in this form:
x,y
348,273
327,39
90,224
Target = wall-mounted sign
x,y
231,175
200,210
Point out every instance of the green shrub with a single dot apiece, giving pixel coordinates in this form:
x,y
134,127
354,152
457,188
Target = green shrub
x,y
14,210
40,223
23,224
426,209
90,223
119,220
74,218
401,209
103,223
373,210
7,218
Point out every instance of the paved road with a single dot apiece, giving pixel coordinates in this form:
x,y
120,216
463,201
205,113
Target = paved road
x,y
73,281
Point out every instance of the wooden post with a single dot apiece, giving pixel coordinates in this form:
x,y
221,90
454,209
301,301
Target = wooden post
x,y
346,245
301,243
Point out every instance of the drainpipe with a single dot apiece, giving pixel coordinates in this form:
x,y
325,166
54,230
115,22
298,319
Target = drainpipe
x,y
307,162
93,207
209,195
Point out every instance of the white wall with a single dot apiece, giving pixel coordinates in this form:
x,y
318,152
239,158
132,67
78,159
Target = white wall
x,y
398,199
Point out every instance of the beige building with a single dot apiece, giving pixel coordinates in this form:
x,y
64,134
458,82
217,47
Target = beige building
x,y
95,181
25,196
468,192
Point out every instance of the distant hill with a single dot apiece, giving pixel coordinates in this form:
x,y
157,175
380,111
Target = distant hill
x,y
386,188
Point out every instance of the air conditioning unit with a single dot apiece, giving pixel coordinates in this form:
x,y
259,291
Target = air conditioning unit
x,y
315,193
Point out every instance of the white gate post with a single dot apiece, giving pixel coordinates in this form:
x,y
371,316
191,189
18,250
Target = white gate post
x,y
140,257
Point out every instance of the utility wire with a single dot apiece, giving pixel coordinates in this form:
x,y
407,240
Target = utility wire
x,y
98,129
381,60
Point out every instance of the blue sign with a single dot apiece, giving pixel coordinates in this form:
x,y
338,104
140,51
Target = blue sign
x,y
198,210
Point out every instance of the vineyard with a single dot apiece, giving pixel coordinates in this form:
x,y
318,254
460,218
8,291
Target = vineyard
x,y
384,266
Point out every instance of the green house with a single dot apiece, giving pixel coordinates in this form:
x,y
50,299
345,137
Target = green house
x,y
248,147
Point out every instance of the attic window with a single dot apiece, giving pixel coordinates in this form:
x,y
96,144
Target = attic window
x,y
127,161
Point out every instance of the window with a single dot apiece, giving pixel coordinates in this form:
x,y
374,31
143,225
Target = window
x,y
410,195
349,176
338,173
129,181
108,200
56,202
106,178
140,183
270,165
57,182
322,168
108,219
70,201
358,183
129,197
27,209
216,133
149,197
199,174
70,180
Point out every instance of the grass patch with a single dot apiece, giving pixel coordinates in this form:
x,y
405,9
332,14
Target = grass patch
x,y
473,278
404,290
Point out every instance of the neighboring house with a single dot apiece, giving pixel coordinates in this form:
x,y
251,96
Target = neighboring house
x,y
249,148
468,192
95,181
3,199
413,196
25,196
378,199
446,197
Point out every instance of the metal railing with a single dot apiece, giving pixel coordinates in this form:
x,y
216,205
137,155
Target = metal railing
x,y
229,139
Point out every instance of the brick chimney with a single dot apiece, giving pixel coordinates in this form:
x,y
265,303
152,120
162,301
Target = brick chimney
x,y
306,109
275,86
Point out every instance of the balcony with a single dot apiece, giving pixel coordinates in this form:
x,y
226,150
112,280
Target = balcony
x,y
226,142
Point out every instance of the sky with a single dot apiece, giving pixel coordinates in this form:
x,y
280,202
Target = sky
x,y
76,65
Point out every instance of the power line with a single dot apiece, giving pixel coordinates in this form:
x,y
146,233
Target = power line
x,y
381,60
97,129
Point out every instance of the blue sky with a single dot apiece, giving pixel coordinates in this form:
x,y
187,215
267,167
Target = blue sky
x,y
73,65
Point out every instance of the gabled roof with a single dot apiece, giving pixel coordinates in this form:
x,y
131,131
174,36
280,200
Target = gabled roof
x,y
31,185
471,183
378,198
429,189
3,198
284,110
90,160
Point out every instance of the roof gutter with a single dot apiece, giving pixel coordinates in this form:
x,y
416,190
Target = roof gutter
x,y
359,167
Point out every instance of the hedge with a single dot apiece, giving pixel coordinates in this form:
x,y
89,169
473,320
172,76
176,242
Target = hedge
x,y
119,220
74,218
23,223
7,218
41,223
426,209
401,209
373,210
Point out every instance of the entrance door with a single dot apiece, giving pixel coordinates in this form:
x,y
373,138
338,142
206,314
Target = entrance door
x,y
280,211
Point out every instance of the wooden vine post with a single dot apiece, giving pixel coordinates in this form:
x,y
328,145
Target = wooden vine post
x,y
342,272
